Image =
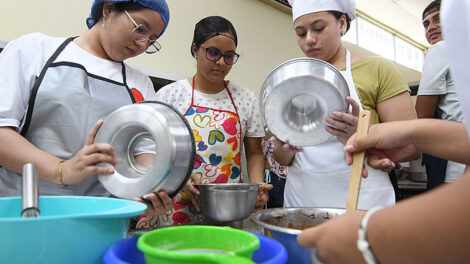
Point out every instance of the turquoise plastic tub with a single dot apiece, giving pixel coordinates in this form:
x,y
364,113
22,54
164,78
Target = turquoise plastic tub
x,y
70,229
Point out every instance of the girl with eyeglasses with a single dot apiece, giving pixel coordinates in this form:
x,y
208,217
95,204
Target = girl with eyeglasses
x,y
224,118
55,91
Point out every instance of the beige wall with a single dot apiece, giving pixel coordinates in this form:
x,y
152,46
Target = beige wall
x,y
266,37
265,34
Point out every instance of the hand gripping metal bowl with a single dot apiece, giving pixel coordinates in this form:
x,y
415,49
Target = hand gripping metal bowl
x,y
227,201
298,95
148,124
284,224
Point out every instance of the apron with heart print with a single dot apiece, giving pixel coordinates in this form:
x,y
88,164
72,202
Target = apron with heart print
x,y
217,134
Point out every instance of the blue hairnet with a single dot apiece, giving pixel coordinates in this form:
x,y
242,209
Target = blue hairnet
x,y
158,5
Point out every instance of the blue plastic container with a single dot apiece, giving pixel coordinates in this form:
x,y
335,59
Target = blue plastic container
x,y
126,252
70,229
270,251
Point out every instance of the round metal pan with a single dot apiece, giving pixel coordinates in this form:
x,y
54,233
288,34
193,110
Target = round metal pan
x,y
173,143
298,95
285,224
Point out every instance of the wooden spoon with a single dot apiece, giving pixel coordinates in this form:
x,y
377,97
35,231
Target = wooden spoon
x,y
358,163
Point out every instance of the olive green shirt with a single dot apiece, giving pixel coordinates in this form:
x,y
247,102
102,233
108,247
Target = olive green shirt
x,y
376,79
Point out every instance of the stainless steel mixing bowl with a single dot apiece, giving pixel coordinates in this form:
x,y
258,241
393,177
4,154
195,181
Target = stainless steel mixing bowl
x,y
284,224
298,95
227,201
158,126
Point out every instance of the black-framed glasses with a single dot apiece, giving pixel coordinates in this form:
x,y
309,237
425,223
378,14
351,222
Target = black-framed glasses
x,y
141,34
214,54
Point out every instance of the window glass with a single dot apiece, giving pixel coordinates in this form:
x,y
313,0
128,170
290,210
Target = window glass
x,y
409,55
351,35
375,39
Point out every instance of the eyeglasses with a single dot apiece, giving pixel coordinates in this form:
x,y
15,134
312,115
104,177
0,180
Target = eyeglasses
x,y
141,34
214,54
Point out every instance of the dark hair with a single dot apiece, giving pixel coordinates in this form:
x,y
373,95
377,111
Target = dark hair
x,y
433,6
210,27
121,6
338,15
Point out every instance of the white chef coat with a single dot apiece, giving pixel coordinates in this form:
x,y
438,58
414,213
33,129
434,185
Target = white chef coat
x,y
319,175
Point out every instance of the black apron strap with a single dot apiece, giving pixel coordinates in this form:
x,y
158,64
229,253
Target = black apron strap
x,y
124,80
37,83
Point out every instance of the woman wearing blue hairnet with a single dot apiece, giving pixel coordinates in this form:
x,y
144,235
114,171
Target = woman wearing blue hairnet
x,y
55,90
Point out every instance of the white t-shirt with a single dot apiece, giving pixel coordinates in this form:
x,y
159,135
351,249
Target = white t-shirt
x,y
455,23
178,94
437,80
22,60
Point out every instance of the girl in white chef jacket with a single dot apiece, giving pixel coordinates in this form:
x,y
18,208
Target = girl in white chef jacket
x,y
443,214
318,176
55,91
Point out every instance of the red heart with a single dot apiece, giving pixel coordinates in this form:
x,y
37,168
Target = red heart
x,y
180,218
230,126
234,142
179,206
222,178
137,95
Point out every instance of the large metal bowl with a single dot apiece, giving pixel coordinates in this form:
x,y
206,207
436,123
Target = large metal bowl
x,y
298,95
227,201
284,224
173,143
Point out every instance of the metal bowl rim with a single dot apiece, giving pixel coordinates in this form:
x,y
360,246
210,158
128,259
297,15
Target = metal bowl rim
x,y
193,147
302,59
291,231
228,186
191,159
263,91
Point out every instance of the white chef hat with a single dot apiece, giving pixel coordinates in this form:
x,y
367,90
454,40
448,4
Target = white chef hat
x,y
303,7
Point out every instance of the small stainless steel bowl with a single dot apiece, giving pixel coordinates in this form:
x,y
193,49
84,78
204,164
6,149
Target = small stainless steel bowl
x,y
284,224
227,201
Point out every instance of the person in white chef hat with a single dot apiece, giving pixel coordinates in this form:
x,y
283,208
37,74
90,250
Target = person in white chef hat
x,y
318,176
432,227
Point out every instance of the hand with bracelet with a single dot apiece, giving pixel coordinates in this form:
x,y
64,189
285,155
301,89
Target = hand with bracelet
x,y
83,164
336,240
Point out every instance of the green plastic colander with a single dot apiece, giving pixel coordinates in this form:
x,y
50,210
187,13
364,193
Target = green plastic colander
x,y
198,244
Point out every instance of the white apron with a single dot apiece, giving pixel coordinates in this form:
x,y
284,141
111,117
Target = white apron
x,y
319,175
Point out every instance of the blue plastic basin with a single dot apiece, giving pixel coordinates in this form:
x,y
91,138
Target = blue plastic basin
x,y
70,229
126,252
270,251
